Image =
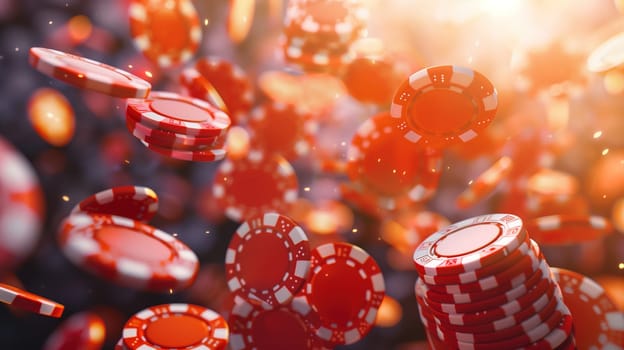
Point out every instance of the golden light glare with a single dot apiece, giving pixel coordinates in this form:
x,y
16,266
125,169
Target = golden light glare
x,y
390,313
240,19
237,144
79,28
617,215
613,82
52,116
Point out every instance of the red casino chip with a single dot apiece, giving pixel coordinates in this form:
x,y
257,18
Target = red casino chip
x,y
599,323
169,139
568,229
442,105
265,136
231,83
27,301
253,185
199,155
21,207
105,245
469,244
134,202
253,326
198,86
312,58
345,290
371,80
485,183
268,259
518,256
167,33
179,114
387,164
176,326
88,74
85,330
332,21
120,345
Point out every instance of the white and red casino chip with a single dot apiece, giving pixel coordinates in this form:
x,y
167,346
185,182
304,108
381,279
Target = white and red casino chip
x,y
196,85
105,245
568,229
134,202
27,301
231,83
469,244
169,139
263,327
267,125
176,326
345,289
176,113
21,207
255,184
443,105
268,259
387,164
85,330
598,322
485,183
168,33
88,74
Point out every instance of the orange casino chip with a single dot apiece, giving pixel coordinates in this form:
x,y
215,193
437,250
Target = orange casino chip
x,y
388,164
442,105
167,32
485,183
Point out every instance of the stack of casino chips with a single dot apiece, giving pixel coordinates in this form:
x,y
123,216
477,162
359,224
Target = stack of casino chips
x,y
318,33
484,284
178,127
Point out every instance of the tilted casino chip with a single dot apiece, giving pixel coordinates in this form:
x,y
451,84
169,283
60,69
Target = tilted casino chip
x,y
442,105
179,114
29,302
105,245
134,202
268,259
88,74
176,326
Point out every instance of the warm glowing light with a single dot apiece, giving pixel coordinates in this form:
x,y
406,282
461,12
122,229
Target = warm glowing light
x,y
79,28
206,22
552,182
613,82
52,116
621,266
240,19
148,74
97,332
390,313
605,151
65,198
237,144
617,215
597,134
329,217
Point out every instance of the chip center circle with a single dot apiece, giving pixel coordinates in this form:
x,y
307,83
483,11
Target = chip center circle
x,y
264,261
181,110
123,242
177,331
467,240
441,112
279,330
339,293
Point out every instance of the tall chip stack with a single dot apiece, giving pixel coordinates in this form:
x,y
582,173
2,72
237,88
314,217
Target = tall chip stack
x,y
484,284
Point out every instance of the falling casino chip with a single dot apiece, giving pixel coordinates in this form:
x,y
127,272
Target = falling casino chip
x,y
176,326
134,202
29,302
442,105
268,259
89,74
105,245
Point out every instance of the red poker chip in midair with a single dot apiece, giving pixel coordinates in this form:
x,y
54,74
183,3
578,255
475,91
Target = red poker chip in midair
x,y
29,302
134,202
442,105
256,184
106,245
268,259
345,290
85,330
266,136
176,326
